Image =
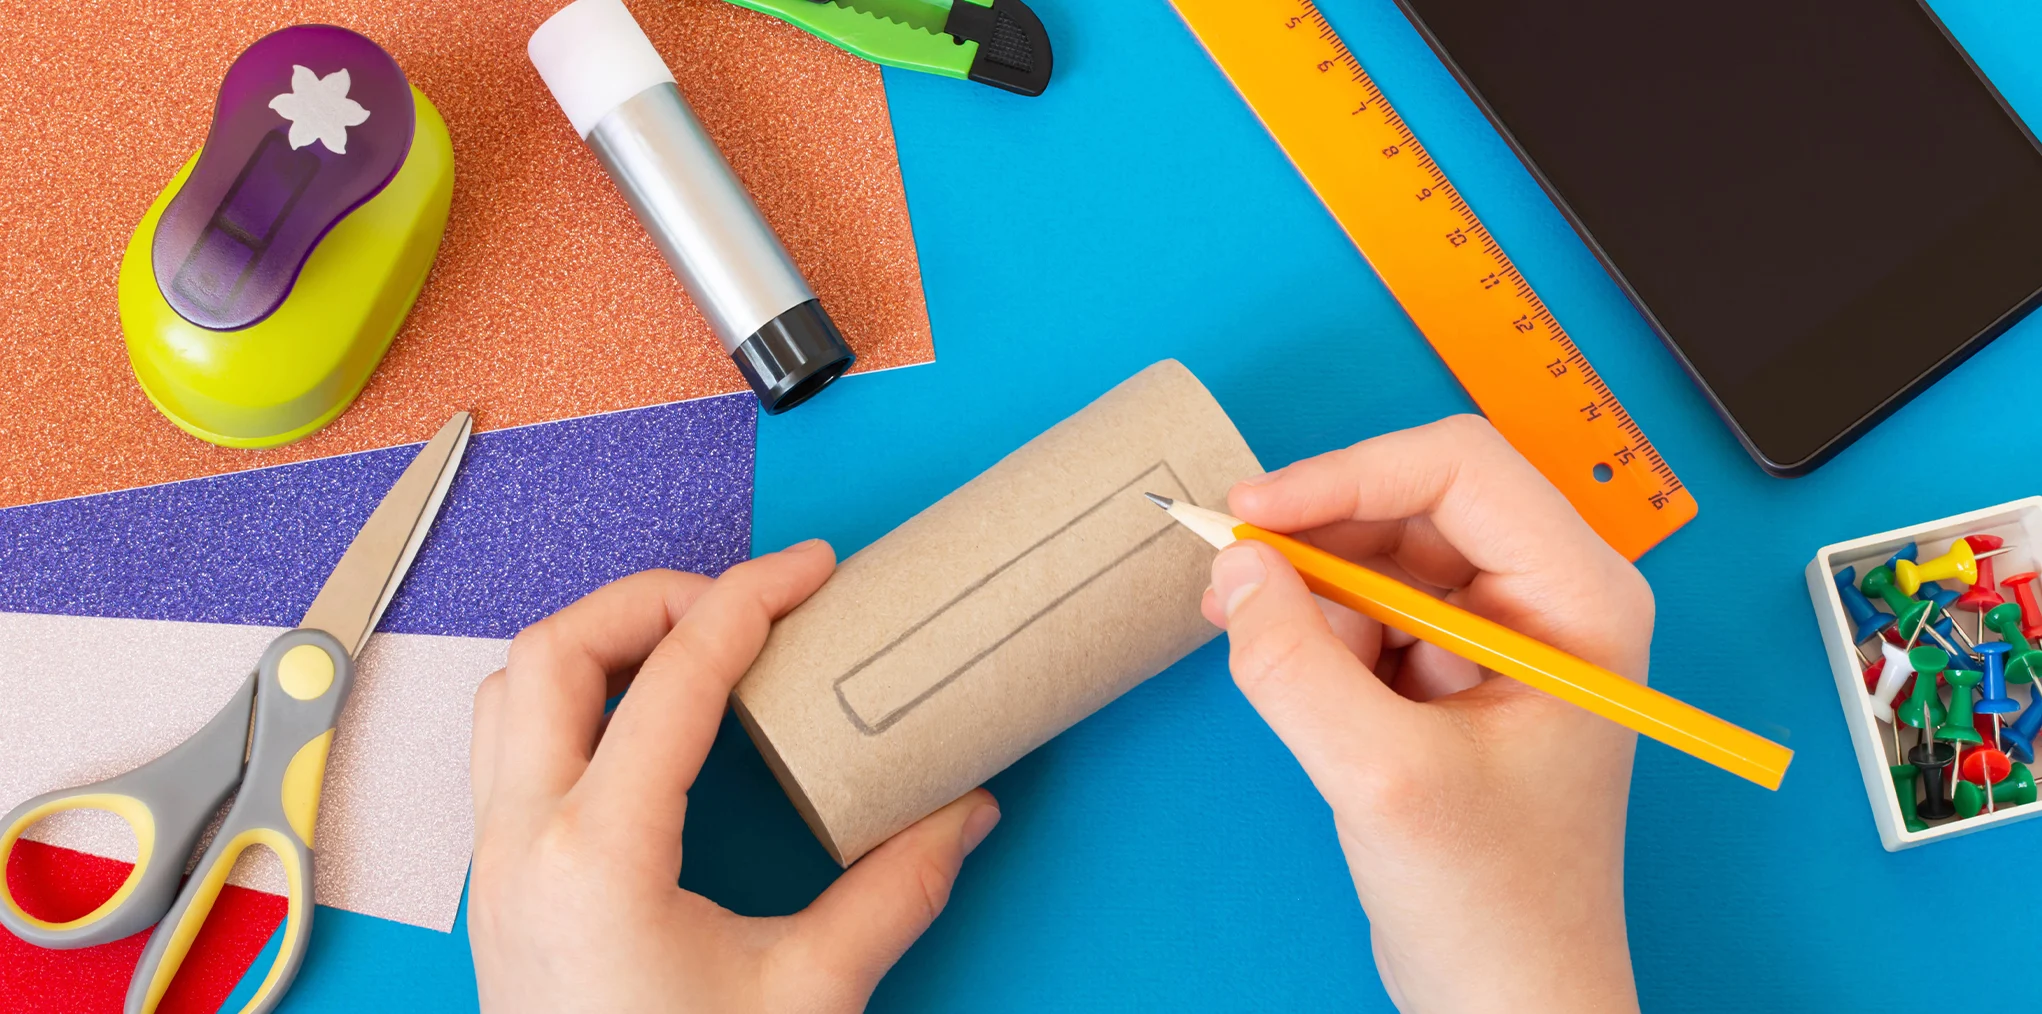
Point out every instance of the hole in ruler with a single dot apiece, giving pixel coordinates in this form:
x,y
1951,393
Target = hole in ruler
x,y
1602,473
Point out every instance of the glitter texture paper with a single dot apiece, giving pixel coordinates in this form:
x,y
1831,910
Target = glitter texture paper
x,y
103,696
548,300
537,517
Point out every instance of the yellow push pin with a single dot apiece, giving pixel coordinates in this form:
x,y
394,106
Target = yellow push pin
x,y
1960,563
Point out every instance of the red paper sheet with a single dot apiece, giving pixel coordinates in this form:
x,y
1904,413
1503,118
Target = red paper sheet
x,y
58,883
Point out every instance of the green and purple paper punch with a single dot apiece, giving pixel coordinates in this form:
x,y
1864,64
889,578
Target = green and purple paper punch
x,y
265,282
995,42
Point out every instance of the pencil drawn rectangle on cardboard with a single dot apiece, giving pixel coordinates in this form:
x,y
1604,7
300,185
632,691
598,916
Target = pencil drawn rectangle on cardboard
x,y
1007,611
989,615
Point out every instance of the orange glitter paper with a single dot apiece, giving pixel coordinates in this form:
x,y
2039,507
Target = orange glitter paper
x,y
548,299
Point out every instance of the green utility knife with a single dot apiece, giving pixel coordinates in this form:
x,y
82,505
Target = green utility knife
x,y
995,42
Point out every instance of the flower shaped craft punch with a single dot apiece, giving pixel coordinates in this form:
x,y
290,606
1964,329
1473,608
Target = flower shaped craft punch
x,y
319,109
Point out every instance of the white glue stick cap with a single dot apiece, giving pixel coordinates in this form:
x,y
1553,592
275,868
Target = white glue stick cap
x,y
593,56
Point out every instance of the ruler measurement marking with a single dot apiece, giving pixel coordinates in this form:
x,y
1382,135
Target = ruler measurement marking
x,y
1443,265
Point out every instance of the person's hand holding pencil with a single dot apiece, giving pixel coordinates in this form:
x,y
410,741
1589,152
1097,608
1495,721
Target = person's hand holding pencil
x,y
1483,820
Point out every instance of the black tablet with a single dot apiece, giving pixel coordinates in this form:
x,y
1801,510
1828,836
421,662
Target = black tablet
x,y
1821,205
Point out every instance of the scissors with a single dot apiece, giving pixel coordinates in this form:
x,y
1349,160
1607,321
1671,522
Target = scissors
x,y
270,741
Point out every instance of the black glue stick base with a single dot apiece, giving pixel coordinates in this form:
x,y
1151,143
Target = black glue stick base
x,y
794,356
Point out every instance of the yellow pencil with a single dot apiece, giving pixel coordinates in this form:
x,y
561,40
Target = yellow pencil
x,y
1488,643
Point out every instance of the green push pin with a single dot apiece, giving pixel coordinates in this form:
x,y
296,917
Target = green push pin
x,y
2021,669
2005,620
1924,708
1903,787
2016,788
1959,728
1879,581
1908,611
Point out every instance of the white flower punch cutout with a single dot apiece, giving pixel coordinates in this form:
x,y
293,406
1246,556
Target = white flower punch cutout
x,y
319,109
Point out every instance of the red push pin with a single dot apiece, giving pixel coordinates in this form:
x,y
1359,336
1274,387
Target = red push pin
x,y
1984,593
1983,723
1981,761
1986,766
2022,585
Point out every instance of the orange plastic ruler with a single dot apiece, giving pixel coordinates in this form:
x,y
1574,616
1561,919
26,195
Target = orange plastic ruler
x,y
1448,272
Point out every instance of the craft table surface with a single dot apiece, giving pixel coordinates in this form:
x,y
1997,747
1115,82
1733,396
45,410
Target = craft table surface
x,y
1167,854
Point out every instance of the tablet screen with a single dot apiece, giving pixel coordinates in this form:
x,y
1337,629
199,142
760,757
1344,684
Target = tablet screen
x,y
1819,203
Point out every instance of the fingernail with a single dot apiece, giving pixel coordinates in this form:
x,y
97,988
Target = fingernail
x,y
1262,480
978,825
802,547
1236,573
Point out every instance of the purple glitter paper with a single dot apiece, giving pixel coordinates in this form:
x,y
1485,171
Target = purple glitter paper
x,y
537,517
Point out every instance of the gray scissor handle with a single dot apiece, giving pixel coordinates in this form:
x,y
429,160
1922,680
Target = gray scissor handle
x,y
167,802
302,684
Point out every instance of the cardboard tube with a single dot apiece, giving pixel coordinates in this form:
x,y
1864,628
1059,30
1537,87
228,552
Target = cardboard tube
x,y
997,618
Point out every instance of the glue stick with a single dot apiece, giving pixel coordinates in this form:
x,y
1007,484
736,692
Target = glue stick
x,y
622,100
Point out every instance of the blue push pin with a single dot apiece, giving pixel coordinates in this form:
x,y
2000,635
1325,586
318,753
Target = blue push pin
x,y
1934,592
1868,620
2020,736
1996,701
1909,552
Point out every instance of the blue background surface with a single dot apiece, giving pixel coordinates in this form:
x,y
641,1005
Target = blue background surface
x,y
1167,854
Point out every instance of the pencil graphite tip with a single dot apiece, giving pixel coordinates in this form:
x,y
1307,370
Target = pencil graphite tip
x,y
1161,501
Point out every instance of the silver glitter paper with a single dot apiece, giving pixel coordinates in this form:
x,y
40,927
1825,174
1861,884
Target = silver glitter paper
x,y
85,698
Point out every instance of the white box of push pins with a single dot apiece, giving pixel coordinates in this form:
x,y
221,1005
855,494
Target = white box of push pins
x,y
1951,757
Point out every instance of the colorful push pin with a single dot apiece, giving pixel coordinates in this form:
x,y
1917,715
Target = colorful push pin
x,y
1904,790
1960,564
2005,620
2022,667
2016,789
1924,709
1909,613
1995,655
1867,620
2019,738
1909,552
2023,587
1929,760
1943,597
1983,764
1959,729
1984,593
1996,702
1878,582
1893,673
1986,730
1915,618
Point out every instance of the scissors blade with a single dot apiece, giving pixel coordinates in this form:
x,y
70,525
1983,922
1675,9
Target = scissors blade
x,y
354,596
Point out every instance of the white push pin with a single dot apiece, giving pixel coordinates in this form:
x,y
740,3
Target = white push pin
x,y
1891,679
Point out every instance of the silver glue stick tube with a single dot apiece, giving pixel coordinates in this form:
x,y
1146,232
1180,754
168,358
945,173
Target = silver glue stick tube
x,y
621,98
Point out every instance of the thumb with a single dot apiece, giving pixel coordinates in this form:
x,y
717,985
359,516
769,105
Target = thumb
x,y
866,920
1326,706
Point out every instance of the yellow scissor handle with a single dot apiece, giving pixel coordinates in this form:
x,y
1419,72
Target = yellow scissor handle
x,y
167,802
128,808
302,684
172,941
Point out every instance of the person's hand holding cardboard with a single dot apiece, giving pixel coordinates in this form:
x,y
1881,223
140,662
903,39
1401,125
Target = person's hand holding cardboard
x,y
573,903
